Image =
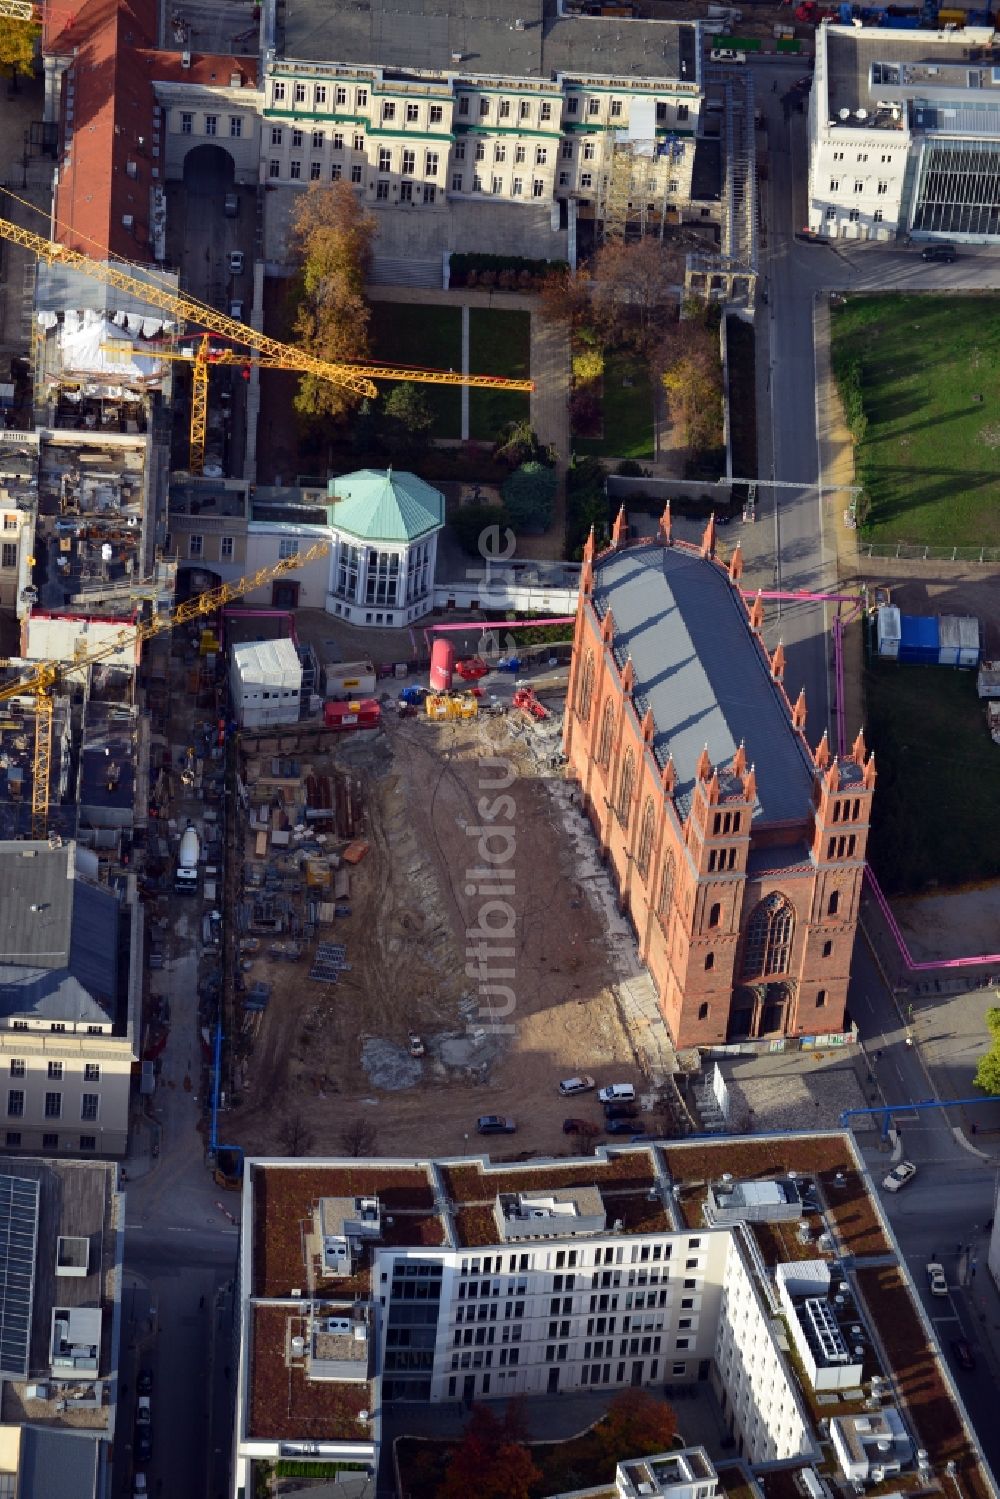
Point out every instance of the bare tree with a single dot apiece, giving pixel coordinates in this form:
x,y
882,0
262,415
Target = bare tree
x,y
296,1136
358,1137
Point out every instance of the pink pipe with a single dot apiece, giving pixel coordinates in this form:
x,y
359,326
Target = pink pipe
x,y
893,925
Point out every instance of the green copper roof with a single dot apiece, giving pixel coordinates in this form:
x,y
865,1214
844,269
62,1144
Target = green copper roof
x,y
378,505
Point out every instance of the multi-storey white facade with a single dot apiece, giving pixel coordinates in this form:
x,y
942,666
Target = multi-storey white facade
x,y
904,135
546,1318
523,109
749,1373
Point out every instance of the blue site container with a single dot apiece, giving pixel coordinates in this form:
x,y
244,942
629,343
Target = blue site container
x,y
918,638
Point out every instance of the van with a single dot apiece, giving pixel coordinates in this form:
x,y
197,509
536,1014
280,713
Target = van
x,y
231,207
617,1093
727,55
947,253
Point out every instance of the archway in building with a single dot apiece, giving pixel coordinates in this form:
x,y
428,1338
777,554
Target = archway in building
x,y
209,172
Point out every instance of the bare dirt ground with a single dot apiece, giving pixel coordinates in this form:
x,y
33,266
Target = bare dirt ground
x,y
942,588
956,924
329,1056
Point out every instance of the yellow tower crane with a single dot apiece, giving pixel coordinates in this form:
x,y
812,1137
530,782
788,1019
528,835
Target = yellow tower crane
x,y
40,682
270,352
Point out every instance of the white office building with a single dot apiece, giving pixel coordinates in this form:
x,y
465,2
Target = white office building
x,y
904,135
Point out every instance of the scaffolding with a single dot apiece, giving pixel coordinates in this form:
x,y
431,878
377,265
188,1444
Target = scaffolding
x,y
633,197
732,273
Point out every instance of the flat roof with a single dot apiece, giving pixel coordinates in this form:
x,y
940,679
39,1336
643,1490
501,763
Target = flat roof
x,y
510,39
80,1199
703,674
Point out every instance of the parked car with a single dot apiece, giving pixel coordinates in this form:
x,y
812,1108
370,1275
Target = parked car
x,y
621,1110
899,1176
582,1084
236,262
144,1444
727,55
935,1275
144,1382
495,1124
947,253
964,1356
580,1127
139,1487
236,310
416,1045
625,1127
617,1093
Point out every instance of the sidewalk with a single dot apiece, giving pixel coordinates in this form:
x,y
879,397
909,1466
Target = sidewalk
x,y
836,468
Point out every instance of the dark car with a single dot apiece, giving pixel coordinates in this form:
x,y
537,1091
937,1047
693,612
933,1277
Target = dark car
x,y
143,1445
144,1382
964,1356
947,253
495,1124
621,1110
625,1127
580,1127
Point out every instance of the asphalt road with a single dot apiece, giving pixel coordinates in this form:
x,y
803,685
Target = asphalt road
x,y
944,1208
794,274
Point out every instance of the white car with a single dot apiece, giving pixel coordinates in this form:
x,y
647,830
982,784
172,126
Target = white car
x,y
617,1093
899,1176
236,262
140,1490
727,54
582,1084
935,1274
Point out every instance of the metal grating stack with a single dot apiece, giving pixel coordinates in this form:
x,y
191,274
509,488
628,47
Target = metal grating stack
x,y
329,963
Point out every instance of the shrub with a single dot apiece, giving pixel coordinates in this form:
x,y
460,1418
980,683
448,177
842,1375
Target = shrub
x,y
630,468
469,523
468,270
588,366
528,494
585,413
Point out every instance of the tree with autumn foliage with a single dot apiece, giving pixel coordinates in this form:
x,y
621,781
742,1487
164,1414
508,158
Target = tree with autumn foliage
x,y
636,1425
18,40
564,297
332,235
633,285
689,358
492,1460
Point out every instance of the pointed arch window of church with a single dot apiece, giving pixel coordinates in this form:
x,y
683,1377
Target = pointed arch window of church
x,y
585,694
645,850
768,944
607,734
626,783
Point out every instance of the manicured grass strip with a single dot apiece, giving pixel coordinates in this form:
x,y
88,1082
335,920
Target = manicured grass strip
x,y
499,344
926,370
411,333
936,814
627,403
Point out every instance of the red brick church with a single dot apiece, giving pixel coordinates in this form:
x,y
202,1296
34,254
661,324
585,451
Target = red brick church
x,y
738,851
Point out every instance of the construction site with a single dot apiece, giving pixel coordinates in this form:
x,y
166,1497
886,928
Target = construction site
x,y
350,899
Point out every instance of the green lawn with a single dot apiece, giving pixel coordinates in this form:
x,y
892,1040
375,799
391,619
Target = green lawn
x,y
407,333
930,386
936,814
499,344
627,402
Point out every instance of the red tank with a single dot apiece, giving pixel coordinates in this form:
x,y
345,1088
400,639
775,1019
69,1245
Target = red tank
x,y
442,665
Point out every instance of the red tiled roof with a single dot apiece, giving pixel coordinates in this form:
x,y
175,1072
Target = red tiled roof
x,y
106,168
206,68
